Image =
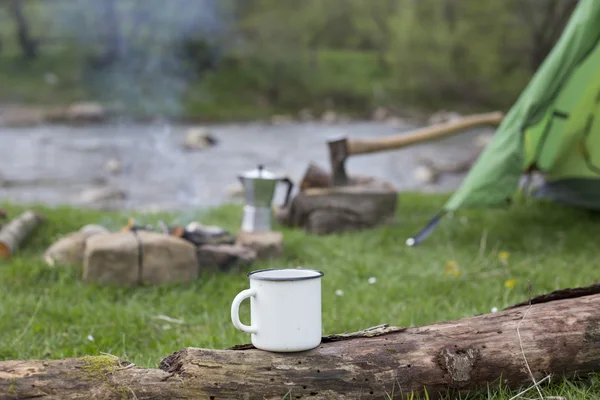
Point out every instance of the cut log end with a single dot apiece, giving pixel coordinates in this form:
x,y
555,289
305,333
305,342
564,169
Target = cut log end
x,y
13,233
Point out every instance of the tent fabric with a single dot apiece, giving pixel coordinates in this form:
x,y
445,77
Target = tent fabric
x,y
546,126
553,128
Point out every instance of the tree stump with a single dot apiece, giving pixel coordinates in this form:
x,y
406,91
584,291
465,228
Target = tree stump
x,y
557,335
321,208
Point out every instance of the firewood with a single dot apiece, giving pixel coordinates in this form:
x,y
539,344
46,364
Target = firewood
x,y
12,234
555,337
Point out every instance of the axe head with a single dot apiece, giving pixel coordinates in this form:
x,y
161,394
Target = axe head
x,y
338,152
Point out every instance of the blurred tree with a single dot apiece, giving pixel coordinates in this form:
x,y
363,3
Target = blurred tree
x,y
547,19
274,40
29,46
471,51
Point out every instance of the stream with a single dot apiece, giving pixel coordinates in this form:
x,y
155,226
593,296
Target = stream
x,y
59,164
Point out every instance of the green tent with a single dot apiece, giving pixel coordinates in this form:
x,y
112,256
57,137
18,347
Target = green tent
x,y
552,128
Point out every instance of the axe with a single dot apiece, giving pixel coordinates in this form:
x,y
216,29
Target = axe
x,y
341,148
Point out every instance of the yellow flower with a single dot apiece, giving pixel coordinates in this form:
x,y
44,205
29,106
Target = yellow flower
x,y
510,283
452,268
504,255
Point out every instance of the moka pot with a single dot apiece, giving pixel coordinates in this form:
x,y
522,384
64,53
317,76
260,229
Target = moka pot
x,y
259,190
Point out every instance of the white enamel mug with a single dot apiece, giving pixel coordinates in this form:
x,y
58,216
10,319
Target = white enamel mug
x,y
285,309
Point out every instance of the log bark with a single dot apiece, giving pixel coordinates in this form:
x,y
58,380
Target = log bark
x,y
323,210
556,337
12,234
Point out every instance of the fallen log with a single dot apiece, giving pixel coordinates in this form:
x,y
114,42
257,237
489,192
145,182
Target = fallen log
x,y
555,337
12,234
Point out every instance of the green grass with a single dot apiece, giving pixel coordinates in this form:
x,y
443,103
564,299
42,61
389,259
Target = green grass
x,y
49,313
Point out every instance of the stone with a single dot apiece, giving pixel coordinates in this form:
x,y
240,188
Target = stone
x,y
18,116
133,258
396,122
198,139
224,256
482,140
281,120
329,117
167,259
69,249
267,245
443,116
112,259
235,190
306,115
113,166
96,195
344,119
425,174
85,112
380,114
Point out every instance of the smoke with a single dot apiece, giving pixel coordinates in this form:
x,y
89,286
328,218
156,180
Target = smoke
x,y
141,54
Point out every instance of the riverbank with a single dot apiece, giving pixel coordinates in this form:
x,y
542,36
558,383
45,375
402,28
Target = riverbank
x,y
350,84
92,112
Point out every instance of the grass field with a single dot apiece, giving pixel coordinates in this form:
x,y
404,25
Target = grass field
x,y
474,261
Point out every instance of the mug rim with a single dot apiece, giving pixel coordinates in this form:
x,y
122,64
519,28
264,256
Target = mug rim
x,y
294,278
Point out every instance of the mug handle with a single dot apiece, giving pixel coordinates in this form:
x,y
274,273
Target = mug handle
x,y
235,311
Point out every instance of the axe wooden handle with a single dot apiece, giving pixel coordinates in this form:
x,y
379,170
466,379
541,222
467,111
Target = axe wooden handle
x,y
358,146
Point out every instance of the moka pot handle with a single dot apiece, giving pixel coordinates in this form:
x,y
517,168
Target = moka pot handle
x,y
290,185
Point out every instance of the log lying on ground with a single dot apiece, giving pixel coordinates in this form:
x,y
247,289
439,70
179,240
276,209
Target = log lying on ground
x,y
13,233
557,337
